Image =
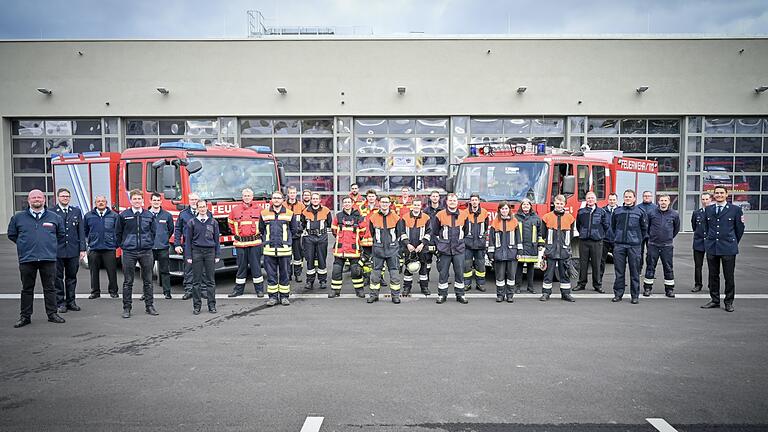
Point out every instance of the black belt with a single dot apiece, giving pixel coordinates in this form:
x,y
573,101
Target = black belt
x,y
248,238
317,231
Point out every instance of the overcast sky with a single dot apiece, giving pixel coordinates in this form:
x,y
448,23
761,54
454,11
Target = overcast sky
x,y
67,19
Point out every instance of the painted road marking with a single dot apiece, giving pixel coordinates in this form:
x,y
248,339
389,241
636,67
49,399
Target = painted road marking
x,y
761,246
659,297
661,425
312,424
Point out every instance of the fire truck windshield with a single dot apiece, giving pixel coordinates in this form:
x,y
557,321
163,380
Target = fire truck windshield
x,y
224,178
499,181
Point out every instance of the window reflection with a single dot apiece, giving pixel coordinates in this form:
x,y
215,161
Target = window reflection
x,y
603,126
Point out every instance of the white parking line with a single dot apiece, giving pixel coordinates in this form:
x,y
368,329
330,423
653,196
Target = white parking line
x,y
661,425
312,424
659,296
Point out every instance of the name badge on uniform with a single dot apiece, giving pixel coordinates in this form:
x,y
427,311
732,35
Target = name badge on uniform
x,y
128,217
162,221
47,224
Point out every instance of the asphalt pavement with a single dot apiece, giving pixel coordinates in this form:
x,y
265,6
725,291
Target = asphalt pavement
x,y
528,366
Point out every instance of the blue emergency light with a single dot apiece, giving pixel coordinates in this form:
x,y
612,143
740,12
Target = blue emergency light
x,y
183,145
260,149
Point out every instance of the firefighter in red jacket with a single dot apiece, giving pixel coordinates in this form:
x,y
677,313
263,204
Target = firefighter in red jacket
x,y
383,226
294,204
448,230
347,228
557,249
244,224
416,238
474,255
278,227
316,220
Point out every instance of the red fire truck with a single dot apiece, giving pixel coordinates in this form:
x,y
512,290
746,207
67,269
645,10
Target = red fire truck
x,y
175,169
512,172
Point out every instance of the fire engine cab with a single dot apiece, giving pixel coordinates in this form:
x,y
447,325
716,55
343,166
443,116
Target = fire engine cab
x,y
216,173
512,172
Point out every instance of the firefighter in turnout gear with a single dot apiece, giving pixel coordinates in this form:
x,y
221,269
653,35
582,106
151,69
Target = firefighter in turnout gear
x,y
402,204
416,238
530,229
433,206
347,228
503,247
370,205
278,227
355,195
294,204
316,220
448,230
663,227
244,224
474,254
383,226
557,250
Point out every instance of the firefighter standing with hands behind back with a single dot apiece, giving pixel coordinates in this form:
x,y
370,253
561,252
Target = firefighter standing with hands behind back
x,y
278,228
347,227
383,227
244,224
294,204
416,237
315,222
557,250
663,227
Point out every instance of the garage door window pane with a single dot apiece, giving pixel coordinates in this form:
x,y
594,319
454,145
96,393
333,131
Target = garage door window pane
x,y
317,127
749,125
87,145
256,127
59,146
317,145
87,127
286,127
663,145
664,126
603,126
29,165
749,145
141,127
317,164
632,145
27,127
28,146
718,145
287,145
633,126
604,143
714,125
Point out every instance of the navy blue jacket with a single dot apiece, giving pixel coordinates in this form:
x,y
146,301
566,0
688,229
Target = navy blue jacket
x,y
646,208
629,226
609,216
200,234
185,216
100,232
663,226
592,225
698,229
135,233
164,229
74,235
36,239
723,232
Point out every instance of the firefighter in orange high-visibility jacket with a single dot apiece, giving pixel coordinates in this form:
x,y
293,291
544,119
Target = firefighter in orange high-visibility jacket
x,y
295,205
365,208
347,229
278,227
503,246
383,226
416,237
557,249
244,224
316,220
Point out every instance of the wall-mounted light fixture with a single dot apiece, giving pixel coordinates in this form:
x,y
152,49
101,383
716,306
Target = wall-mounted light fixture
x,y
45,91
758,90
401,90
642,89
522,89
163,91
282,90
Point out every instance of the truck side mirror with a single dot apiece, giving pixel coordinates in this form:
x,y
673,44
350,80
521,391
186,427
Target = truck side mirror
x,y
169,180
569,185
281,176
194,166
449,184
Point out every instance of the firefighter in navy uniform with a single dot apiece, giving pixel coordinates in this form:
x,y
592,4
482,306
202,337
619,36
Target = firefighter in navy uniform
x,y
698,241
135,233
645,206
476,244
383,226
347,228
433,206
593,224
294,204
70,252
182,220
503,247
278,228
723,228
557,250
161,249
244,224
608,240
416,237
629,226
448,230
663,227
316,220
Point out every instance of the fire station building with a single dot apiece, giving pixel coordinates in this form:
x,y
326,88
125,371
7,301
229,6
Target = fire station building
x,y
388,112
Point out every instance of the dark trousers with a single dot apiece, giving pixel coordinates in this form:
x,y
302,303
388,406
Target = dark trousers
x,y
505,277
28,273
529,275
161,256
203,272
474,266
444,264
665,253
366,261
298,256
103,259
145,260
392,263
698,263
729,266
278,275
641,257
188,277
315,252
66,280
563,269
623,256
338,271
423,274
607,248
590,252
249,258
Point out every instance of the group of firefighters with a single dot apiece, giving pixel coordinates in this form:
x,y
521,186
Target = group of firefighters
x,y
371,235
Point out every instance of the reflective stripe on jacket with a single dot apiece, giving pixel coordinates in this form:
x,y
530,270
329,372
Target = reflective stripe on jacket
x,y
559,234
